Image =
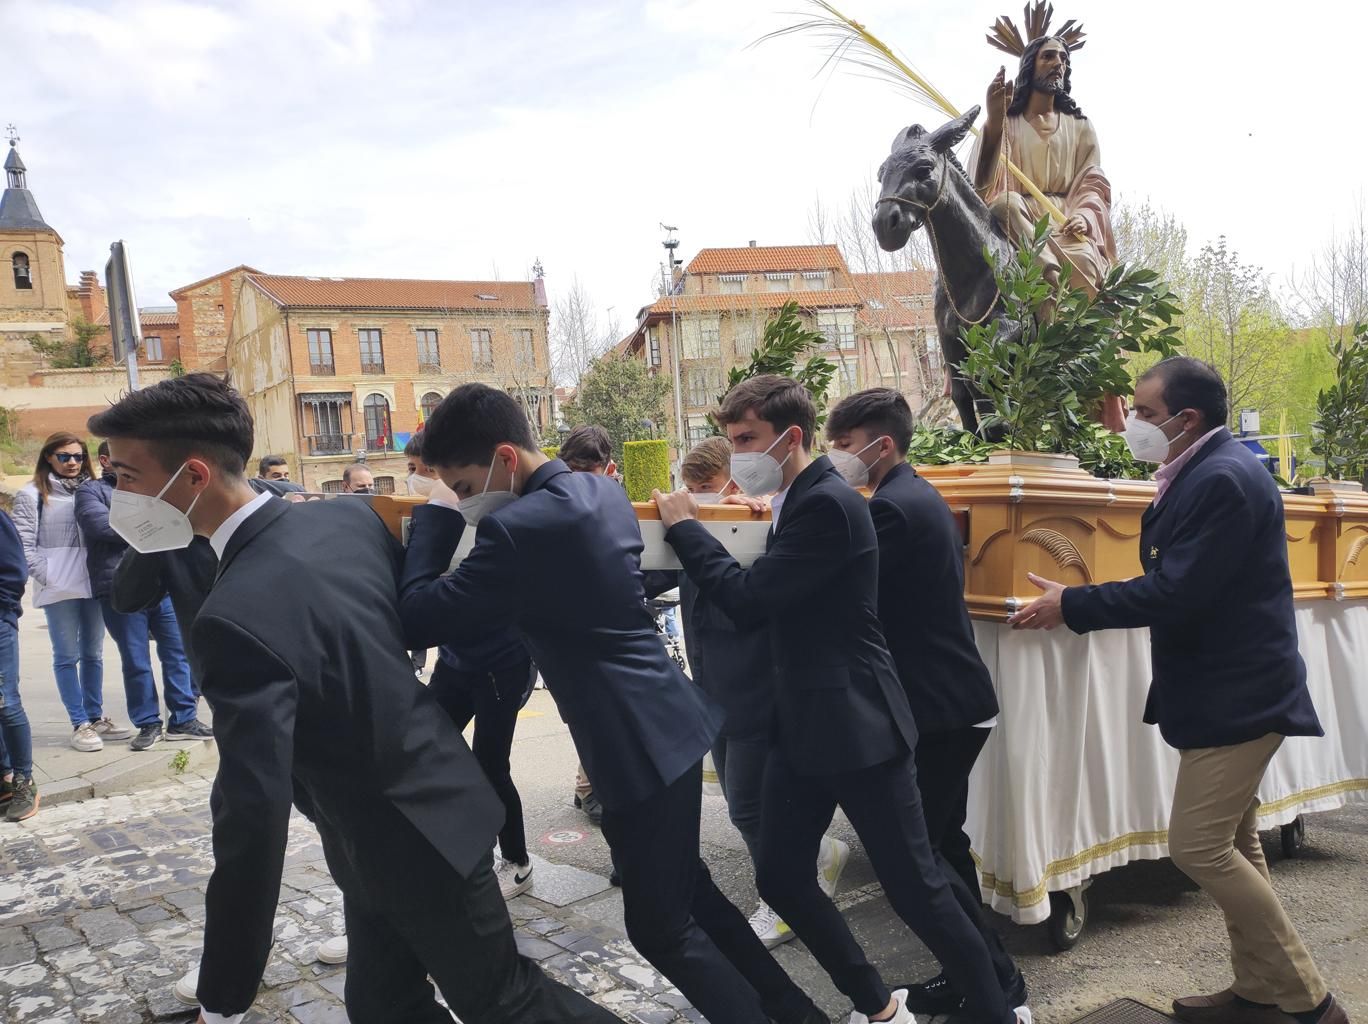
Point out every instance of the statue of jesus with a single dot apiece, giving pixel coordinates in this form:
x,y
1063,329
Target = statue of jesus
x,y
1043,131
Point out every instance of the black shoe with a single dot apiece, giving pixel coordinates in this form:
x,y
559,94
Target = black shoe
x,y
591,807
935,997
1016,991
191,730
147,735
614,879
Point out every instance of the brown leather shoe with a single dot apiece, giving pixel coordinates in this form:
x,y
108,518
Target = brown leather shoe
x,y
1222,1008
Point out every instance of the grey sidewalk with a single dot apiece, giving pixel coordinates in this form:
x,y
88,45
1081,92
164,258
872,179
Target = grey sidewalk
x,y
64,774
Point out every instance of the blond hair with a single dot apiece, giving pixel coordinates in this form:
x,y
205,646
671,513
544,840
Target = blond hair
x,y
706,459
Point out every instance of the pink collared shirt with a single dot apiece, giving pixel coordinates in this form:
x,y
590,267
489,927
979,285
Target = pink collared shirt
x,y
1168,472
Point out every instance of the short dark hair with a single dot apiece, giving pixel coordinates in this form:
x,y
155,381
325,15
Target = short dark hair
x,y
198,414
269,462
780,401
586,448
1192,384
879,410
414,448
103,449
347,473
470,423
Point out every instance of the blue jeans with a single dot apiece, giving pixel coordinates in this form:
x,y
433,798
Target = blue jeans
x,y
77,635
133,634
16,742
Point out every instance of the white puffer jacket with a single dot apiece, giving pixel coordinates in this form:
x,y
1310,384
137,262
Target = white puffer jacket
x,y
52,543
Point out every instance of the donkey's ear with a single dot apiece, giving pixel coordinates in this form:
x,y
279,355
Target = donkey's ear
x,y
907,136
949,135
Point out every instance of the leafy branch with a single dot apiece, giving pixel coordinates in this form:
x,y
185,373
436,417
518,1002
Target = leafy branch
x,y
785,340
1342,410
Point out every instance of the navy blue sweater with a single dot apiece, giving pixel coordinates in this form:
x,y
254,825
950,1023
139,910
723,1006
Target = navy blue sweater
x,y
13,572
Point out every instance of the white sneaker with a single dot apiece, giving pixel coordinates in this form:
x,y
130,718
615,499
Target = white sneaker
x,y
185,988
712,785
86,739
769,928
832,856
333,951
514,879
1023,1014
107,730
902,1015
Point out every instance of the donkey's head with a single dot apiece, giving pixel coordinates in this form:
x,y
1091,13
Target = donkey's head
x,y
913,178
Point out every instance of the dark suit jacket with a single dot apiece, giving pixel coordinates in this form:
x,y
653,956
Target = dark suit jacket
x,y
1217,598
563,564
13,572
839,705
921,605
314,698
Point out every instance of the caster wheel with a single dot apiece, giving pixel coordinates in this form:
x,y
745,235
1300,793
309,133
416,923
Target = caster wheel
x,y
1293,837
1068,918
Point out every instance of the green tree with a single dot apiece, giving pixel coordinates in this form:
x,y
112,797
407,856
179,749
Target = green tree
x,y
622,397
786,339
75,352
1341,424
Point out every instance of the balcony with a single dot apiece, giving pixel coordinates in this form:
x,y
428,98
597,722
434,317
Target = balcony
x,y
377,369
329,444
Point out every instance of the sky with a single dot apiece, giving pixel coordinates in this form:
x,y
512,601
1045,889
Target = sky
x,y
466,139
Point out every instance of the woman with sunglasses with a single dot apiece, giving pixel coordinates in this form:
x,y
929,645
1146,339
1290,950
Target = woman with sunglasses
x,y
45,515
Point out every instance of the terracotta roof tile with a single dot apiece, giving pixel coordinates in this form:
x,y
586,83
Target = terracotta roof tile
x,y
885,294
394,293
160,319
766,259
844,298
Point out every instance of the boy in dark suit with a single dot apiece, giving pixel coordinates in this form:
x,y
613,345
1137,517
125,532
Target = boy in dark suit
x,y
314,701
929,634
1228,685
844,733
558,555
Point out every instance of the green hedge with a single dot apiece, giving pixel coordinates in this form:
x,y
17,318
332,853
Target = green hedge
x,y
550,451
645,466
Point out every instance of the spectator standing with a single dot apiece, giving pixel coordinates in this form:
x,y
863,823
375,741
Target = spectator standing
x,y
134,632
18,794
45,516
273,467
358,479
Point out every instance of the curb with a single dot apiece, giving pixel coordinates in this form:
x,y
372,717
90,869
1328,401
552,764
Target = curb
x,y
133,772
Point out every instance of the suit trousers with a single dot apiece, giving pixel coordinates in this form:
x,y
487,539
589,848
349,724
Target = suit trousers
x,y
883,805
682,924
409,916
1214,839
944,762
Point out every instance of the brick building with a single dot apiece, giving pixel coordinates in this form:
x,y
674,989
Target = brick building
x,y
878,327
340,369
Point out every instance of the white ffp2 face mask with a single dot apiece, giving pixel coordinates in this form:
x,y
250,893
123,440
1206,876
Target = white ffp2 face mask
x,y
419,485
850,465
758,473
477,506
151,524
1146,441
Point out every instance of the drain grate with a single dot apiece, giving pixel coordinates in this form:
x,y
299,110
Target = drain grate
x,y
1125,1011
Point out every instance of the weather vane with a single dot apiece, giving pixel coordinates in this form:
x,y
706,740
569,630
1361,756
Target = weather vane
x,y
12,133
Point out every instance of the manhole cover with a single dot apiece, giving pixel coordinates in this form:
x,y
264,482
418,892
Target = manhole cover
x,y
1125,1011
563,836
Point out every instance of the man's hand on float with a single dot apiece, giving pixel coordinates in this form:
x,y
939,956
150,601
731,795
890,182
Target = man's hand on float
x,y
1000,92
675,507
757,505
1046,611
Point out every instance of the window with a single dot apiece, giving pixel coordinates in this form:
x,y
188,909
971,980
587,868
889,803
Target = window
x,y
702,337
429,358
482,347
848,376
152,349
698,429
743,335
652,346
429,404
329,435
779,282
23,277
377,413
321,354
816,279
524,352
839,327
383,484
733,284
934,358
372,351
702,386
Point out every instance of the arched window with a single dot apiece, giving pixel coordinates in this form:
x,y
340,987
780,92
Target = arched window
x,y
377,414
429,404
23,277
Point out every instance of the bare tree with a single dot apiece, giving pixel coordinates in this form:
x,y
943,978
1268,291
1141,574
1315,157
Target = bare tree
x,y
1331,292
1150,236
577,335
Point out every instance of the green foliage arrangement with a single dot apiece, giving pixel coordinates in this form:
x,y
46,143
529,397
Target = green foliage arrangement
x,y
645,467
551,451
1042,384
1342,410
785,341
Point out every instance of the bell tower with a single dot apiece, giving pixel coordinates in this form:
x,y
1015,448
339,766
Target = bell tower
x,y
32,275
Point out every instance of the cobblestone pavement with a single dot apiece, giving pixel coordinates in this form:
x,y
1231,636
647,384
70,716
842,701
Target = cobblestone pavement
x,y
102,905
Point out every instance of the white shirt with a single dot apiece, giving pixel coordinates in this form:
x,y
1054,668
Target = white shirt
x,y
219,541
777,506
